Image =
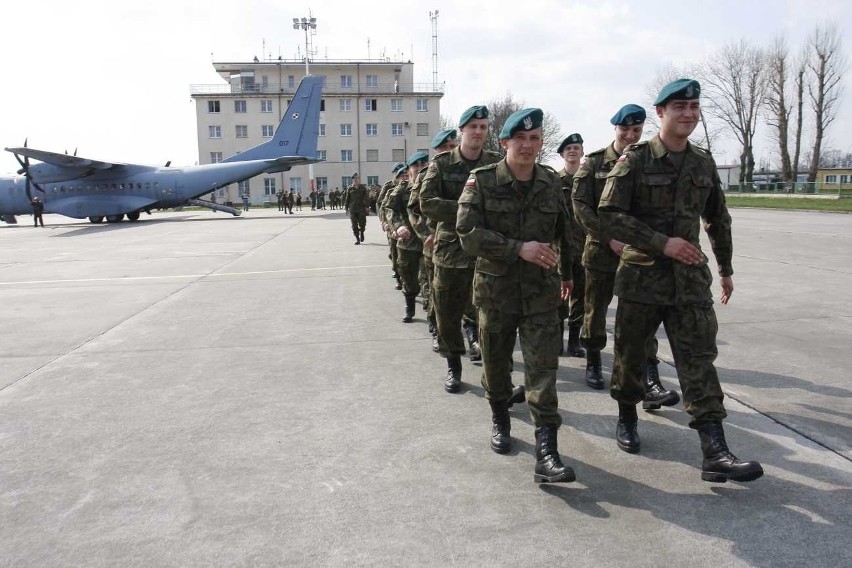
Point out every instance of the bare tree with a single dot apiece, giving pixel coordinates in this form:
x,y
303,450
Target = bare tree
x,y
500,109
778,109
800,107
827,65
734,84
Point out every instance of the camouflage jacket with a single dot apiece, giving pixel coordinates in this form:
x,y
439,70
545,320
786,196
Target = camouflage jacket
x,y
380,201
439,195
588,186
496,217
357,199
419,222
396,207
645,202
578,237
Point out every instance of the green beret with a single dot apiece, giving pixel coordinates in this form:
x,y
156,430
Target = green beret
x,y
401,171
397,166
681,89
478,111
524,119
444,135
355,175
417,157
570,139
628,115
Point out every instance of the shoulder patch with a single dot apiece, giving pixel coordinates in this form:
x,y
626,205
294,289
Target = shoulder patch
x,y
471,181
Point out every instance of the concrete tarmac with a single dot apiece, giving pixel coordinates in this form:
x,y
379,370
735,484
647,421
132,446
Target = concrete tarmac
x,y
200,390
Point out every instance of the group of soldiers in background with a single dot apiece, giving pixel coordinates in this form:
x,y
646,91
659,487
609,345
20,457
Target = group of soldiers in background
x,y
286,200
505,247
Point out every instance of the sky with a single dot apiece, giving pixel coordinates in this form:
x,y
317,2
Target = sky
x,y
112,79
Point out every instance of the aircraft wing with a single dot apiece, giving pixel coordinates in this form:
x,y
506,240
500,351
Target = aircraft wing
x,y
63,160
284,163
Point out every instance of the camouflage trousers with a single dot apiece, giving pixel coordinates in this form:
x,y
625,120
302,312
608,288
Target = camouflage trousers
x,y
691,330
599,285
426,289
452,292
409,267
574,308
392,254
359,222
540,343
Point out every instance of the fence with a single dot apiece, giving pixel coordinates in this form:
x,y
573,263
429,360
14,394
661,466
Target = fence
x,y
816,189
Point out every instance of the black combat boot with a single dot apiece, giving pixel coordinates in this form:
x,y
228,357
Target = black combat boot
x,y
625,431
501,441
362,235
473,340
454,372
548,466
655,395
594,376
357,240
720,464
519,395
409,309
574,349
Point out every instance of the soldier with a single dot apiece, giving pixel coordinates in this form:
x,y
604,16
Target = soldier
x,y
654,201
439,194
299,201
571,150
280,196
512,219
400,174
291,197
408,244
38,210
356,203
601,254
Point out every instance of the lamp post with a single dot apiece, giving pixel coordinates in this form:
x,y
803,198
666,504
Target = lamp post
x,y
307,24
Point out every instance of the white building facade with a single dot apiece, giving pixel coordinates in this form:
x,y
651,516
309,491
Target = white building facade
x,y
372,116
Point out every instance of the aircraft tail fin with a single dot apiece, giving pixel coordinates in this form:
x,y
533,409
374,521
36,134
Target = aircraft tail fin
x,y
298,132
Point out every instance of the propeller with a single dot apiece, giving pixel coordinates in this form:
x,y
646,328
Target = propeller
x,y
25,170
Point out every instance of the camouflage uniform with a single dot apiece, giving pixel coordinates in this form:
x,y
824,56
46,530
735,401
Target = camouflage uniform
x,y
648,199
383,194
497,214
357,201
599,260
573,309
409,250
439,194
421,225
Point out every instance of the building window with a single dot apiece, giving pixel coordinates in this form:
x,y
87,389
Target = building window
x,y
215,131
423,129
322,105
291,81
296,184
397,129
322,129
831,179
322,183
398,155
372,80
370,105
266,130
345,181
346,129
264,82
239,106
422,105
372,180
346,81
396,105
269,186
321,155
242,131
266,105
372,155
372,129
844,179
213,106
345,105
244,188
346,155
215,157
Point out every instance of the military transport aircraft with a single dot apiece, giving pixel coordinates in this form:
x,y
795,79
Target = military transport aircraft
x,y
80,188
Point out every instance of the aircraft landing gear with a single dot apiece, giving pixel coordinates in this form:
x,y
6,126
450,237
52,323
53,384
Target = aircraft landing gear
x,y
96,219
134,216
114,218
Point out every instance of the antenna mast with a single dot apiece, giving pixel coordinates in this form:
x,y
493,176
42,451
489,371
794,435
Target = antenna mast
x,y
434,17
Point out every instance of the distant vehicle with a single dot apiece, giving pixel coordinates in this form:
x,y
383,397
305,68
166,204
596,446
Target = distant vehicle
x,y
82,188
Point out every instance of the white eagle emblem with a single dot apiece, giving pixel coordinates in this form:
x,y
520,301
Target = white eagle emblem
x,y
528,123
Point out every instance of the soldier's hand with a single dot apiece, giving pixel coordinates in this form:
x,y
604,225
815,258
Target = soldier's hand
x,y
727,289
567,288
539,254
683,251
616,246
403,233
429,242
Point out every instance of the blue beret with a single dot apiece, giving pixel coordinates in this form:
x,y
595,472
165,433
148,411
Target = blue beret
x,y
397,166
478,111
628,115
442,137
524,119
419,156
681,89
570,139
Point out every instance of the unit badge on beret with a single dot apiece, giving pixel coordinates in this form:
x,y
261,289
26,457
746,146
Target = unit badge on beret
x,y
689,91
528,123
478,114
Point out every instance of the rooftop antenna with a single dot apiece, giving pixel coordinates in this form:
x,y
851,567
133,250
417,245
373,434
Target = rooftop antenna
x,y
433,16
263,46
368,49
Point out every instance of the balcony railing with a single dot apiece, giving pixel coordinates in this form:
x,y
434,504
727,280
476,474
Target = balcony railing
x,y
328,89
